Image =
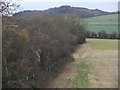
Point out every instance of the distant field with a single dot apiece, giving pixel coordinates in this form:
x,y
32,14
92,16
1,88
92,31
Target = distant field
x,y
105,20
108,23
98,28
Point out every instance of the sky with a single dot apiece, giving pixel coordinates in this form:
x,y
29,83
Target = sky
x,y
106,5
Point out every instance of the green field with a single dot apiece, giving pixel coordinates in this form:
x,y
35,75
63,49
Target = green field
x,y
108,23
103,44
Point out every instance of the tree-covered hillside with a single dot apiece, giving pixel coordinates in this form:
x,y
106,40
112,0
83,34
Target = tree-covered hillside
x,y
66,11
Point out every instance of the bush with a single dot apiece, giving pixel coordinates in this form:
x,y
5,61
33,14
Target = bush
x,y
35,48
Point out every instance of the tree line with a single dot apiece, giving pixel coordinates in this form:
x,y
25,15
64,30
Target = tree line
x,y
102,35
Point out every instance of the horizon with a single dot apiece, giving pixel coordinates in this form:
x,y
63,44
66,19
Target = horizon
x,y
65,5
34,5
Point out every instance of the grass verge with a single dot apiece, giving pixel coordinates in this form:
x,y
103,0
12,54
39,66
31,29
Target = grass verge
x,y
81,80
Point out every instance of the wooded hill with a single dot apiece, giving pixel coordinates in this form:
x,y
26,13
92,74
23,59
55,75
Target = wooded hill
x,y
67,11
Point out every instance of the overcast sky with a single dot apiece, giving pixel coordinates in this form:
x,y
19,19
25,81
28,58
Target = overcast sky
x,y
106,5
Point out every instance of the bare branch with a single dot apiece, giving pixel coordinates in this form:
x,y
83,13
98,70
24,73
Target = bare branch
x,y
8,7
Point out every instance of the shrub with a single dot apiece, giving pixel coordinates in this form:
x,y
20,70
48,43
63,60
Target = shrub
x,y
35,48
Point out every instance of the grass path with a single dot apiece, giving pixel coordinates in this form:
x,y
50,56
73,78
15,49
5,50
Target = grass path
x,y
95,66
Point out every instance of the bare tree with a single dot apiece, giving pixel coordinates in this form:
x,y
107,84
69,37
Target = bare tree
x,y
8,7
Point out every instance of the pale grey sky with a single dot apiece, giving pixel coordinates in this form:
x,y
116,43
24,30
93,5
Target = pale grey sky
x,y
106,5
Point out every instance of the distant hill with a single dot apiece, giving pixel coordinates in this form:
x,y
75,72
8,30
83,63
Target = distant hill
x,y
66,11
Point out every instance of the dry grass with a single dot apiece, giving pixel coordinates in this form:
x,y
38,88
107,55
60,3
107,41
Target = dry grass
x,y
103,68
65,79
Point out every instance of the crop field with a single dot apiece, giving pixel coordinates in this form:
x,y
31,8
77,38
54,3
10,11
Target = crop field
x,y
108,23
105,20
98,28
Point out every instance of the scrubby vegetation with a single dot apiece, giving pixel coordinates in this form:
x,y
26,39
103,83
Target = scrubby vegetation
x,y
36,47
